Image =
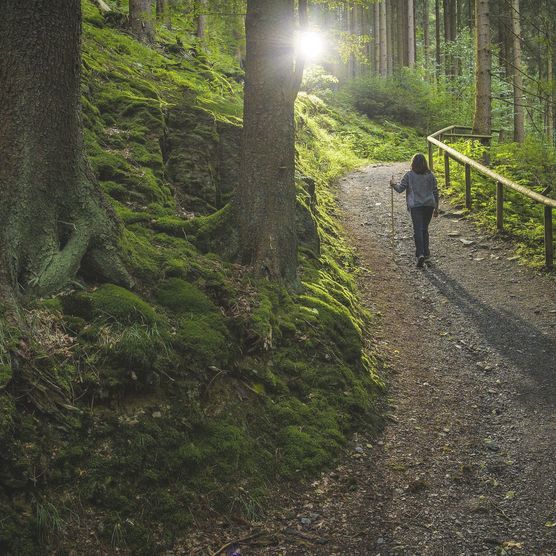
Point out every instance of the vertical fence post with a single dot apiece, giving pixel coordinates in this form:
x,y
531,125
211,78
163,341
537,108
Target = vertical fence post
x,y
467,186
548,237
446,170
431,158
499,206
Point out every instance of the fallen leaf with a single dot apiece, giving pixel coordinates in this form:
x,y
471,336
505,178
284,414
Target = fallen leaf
x,y
512,544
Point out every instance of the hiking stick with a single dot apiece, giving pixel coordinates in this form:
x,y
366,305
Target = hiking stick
x,y
392,215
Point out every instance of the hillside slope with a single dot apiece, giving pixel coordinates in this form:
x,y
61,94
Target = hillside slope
x,y
125,416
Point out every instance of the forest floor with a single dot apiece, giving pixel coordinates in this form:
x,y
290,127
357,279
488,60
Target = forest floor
x,y
466,463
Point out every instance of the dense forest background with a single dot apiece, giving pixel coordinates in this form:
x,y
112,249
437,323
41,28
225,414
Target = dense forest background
x,y
180,328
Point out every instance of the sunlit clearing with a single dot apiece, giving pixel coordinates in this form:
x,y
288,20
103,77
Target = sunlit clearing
x,y
310,45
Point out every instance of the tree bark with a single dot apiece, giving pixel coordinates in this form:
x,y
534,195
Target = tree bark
x,y
390,39
376,32
410,33
519,100
140,19
550,96
426,37
201,19
53,218
163,12
482,117
438,46
383,41
265,201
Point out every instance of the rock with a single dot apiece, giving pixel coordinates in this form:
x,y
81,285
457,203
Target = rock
x,y
306,521
467,242
359,449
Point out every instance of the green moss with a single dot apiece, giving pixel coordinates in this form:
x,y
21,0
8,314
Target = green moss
x,y
204,339
52,304
111,303
139,253
181,297
7,414
338,325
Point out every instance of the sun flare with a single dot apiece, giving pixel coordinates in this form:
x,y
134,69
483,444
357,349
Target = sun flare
x,y
310,45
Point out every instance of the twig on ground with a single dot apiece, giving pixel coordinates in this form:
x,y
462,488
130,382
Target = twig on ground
x,y
236,541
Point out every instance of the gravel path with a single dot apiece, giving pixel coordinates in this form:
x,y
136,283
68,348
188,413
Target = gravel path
x,y
467,461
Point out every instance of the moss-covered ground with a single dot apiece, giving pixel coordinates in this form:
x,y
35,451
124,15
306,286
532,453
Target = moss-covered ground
x,y
125,416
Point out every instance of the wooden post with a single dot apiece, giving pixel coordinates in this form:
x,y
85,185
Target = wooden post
x,y
548,238
467,186
446,170
431,158
499,206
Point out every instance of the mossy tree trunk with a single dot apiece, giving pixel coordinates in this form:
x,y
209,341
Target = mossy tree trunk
x,y
265,200
141,19
53,219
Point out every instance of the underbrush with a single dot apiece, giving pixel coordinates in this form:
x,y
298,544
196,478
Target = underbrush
x,y
531,164
408,99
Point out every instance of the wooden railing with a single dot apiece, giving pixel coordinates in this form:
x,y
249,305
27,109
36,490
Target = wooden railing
x,y
501,182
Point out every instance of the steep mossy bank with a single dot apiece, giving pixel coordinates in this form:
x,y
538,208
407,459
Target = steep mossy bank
x,y
125,416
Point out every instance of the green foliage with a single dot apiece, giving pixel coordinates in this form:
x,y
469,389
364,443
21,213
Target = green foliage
x,y
317,81
408,99
532,164
7,414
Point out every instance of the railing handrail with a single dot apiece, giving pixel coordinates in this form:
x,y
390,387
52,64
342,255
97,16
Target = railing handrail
x,y
456,155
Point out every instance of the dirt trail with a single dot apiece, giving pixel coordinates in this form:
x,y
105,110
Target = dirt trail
x,y
467,461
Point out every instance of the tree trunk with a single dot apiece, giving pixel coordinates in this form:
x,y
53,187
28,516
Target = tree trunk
x,y
163,12
140,19
446,21
455,70
201,19
426,37
482,118
519,101
383,41
53,218
390,33
550,97
410,34
376,31
437,37
265,200
402,19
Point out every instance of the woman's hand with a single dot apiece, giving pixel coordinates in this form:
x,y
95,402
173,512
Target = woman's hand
x,y
392,181
435,212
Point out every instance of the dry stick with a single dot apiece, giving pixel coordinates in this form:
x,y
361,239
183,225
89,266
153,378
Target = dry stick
x,y
237,541
392,215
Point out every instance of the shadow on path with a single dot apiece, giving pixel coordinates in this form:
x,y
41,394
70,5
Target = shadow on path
x,y
516,340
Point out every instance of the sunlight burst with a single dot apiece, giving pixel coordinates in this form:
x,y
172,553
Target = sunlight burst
x,y
310,45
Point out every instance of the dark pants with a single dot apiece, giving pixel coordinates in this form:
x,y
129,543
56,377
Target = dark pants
x,y
421,217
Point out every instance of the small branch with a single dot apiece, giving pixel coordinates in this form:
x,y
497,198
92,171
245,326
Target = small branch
x,y
237,541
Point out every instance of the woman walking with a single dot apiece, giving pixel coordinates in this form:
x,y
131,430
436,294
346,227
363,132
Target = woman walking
x,y
421,193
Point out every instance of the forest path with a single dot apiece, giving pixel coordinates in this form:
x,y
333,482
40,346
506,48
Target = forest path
x,y
467,462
